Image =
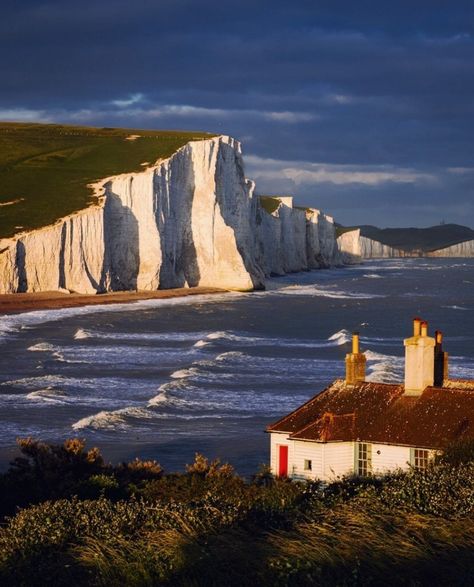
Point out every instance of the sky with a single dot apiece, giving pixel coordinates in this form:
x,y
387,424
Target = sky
x,y
363,109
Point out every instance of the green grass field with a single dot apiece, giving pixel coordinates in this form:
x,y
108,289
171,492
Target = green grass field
x,y
45,168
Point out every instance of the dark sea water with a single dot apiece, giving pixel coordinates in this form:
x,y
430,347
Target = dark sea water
x,y
164,379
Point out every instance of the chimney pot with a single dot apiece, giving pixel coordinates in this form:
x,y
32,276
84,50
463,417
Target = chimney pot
x,y
355,363
419,359
417,326
355,343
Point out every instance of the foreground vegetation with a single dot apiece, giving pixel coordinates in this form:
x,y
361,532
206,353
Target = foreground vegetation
x,y
132,524
45,168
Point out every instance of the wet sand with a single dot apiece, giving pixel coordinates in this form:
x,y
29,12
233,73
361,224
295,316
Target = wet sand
x,y
26,302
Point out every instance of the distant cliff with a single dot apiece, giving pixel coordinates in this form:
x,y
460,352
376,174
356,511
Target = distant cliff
x,y
354,248
189,220
465,249
412,242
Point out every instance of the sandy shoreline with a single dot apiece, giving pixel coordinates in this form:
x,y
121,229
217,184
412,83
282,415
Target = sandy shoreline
x,y
26,302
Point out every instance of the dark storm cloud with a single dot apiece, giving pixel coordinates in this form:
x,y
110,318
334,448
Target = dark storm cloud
x,y
378,94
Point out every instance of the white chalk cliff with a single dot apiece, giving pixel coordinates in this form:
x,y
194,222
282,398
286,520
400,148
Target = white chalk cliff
x,y
294,239
354,248
189,220
464,249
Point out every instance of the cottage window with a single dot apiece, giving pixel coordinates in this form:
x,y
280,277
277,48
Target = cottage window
x,y
363,459
308,465
421,458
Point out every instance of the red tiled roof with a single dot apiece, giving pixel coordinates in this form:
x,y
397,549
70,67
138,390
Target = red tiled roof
x,y
379,412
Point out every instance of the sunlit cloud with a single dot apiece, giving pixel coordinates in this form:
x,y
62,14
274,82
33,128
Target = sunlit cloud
x,y
128,109
307,173
24,115
125,103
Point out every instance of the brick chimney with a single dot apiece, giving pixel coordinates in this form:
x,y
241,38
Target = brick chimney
x,y
440,360
355,363
419,359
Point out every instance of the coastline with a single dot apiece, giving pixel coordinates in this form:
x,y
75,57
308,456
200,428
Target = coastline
x,y
26,302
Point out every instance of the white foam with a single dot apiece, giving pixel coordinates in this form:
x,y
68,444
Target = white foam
x,y
48,395
326,292
454,307
372,276
42,347
201,343
341,337
384,368
111,420
182,373
11,323
81,333
159,399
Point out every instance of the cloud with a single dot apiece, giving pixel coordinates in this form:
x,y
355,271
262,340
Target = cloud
x,y
290,117
304,173
24,115
133,99
126,109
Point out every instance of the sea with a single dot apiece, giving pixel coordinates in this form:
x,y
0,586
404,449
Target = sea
x,y
165,379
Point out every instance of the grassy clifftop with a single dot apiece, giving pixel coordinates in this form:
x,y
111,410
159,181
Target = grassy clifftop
x,y
45,168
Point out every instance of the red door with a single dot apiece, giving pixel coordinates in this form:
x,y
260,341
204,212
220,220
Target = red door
x,y
282,460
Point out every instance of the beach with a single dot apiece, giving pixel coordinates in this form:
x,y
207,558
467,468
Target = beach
x,y
26,302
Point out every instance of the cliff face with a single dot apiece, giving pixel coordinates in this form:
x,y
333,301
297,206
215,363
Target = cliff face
x,y
189,220
294,239
354,248
465,249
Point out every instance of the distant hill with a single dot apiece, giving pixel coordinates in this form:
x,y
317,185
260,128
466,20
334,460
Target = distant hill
x,y
419,239
45,168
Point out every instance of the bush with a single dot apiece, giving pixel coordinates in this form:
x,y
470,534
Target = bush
x,y
208,526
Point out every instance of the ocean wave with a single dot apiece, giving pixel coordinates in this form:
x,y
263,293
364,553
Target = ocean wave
x,y
201,343
372,276
12,323
42,347
326,292
182,373
49,395
112,420
384,368
340,337
82,333
40,381
454,307
245,339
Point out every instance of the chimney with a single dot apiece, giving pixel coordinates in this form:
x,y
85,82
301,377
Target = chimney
x,y
355,363
419,359
440,360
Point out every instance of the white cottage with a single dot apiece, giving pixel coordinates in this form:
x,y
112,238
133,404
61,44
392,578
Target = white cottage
x,y
361,427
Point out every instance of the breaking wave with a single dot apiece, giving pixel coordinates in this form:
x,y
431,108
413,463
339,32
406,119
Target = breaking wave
x,y
81,333
112,420
48,395
341,337
384,368
42,347
14,322
326,292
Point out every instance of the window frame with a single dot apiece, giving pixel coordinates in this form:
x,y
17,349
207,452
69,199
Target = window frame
x,y
420,458
363,459
307,464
